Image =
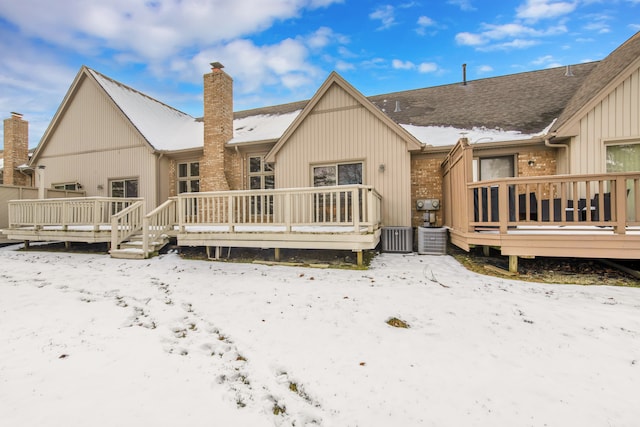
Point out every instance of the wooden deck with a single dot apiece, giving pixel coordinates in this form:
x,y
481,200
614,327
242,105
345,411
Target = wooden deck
x,y
342,217
587,216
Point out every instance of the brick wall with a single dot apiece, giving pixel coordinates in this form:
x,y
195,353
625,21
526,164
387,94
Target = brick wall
x,y
426,183
218,129
233,170
537,163
16,149
173,178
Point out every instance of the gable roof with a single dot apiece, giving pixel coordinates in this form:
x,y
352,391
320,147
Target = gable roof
x,y
335,79
162,126
607,74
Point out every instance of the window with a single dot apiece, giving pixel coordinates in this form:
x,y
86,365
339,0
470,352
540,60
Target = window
x,y
188,177
67,186
338,174
261,175
625,158
124,188
495,167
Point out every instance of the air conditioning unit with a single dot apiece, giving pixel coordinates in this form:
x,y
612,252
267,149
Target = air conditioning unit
x,y
432,241
397,239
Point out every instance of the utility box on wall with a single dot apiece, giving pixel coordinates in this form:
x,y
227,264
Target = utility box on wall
x,y
397,239
432,241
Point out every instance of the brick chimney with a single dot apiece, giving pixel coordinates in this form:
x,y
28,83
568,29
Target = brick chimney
x,y
16,149
218,128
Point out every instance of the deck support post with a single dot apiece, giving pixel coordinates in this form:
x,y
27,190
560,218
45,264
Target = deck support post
x,y
276,254
26,244
359,257
216,253
513,263
486,250
67,245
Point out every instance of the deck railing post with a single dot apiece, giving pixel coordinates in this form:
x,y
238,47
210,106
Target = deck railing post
x,y
355,211
620,226
145,237
96,211
65,215
114,233
230,215
181,202
287,212
503,207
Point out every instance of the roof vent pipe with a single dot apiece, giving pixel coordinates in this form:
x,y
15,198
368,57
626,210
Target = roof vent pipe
x,y
464,74
568,72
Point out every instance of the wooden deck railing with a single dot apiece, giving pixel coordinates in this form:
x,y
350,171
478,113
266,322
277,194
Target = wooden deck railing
x,y
126,223
356,206
93,212
602,200
159,222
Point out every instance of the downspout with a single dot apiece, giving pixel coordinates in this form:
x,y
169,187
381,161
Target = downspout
x,y
158,179
547,143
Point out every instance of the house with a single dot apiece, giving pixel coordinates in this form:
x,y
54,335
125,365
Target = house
x,y
485,148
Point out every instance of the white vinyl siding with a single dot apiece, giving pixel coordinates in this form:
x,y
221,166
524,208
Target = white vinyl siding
x,y
341,130
617,116
93,142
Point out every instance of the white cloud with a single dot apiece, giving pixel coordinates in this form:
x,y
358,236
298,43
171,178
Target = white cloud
x,y
543,60
484,69
152,30
428,67
519,36
386,15
344,66
424,22
253,67
510,45
464,5
402,65
325,36
469,39
535,10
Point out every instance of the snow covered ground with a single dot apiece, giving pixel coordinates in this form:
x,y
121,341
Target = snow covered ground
x,y
86,340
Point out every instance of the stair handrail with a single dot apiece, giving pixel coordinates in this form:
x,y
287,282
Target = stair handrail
x,y
126,223
157,223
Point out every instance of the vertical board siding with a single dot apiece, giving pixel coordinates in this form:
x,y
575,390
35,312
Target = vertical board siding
x,y
339,129
616,116
93,142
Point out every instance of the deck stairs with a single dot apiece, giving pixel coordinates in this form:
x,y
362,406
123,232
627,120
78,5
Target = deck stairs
x,y
133,248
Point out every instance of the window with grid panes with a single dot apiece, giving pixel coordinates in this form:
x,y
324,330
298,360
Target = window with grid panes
x,y
188,177
261,175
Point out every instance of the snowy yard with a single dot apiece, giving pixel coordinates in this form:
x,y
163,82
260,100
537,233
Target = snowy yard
x,y
86,340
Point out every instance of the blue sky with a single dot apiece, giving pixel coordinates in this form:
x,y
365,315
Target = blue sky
x,y
280,51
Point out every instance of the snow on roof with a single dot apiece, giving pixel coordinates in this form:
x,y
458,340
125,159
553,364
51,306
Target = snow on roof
x,y
440,136
261,127
165,128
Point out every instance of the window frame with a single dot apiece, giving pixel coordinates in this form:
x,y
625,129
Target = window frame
x,y
124,181
265,170
189,180
477,165
336,166
62,186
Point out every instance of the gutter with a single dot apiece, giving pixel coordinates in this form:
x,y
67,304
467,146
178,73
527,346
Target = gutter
x,y
547,143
